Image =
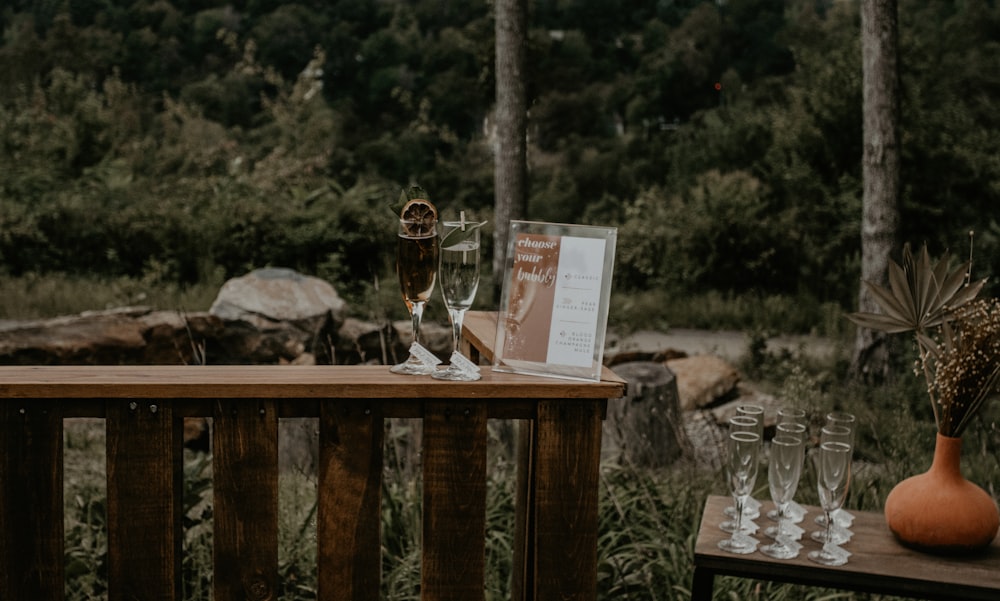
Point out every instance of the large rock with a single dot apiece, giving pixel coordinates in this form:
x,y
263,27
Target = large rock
x,y
272,294
703,380
276,315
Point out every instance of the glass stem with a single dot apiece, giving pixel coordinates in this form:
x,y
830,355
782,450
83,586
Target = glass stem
x,y
457,316
779,539
415,314
829,527
739,501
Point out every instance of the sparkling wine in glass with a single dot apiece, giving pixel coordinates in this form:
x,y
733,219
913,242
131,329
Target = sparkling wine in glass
x,y
833,466
783,471
417,249
742,455
459,277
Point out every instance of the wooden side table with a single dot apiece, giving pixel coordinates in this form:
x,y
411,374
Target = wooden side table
x,y
878,565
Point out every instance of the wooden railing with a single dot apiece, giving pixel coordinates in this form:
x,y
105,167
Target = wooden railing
x,y
555,555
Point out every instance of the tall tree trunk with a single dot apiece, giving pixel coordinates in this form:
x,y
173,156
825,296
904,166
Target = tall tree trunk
x,y
510,162
880,170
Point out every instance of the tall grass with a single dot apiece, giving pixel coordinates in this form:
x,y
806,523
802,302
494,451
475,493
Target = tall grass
x,y
648,517
36,296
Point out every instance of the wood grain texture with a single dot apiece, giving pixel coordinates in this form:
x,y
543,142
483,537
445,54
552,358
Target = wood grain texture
x,y
522,571
145,486
281,382
31,502
568,453
878,563
349,513
454,509
245,485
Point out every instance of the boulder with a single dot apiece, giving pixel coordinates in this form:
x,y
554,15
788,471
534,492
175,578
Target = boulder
x,y
703,380
274,315
272,294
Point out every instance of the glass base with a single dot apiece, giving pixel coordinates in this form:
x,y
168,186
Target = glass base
x,y
460,370
840,536
747,527
455,374
789,531
829,557
421,362
413,367
739,544
779,551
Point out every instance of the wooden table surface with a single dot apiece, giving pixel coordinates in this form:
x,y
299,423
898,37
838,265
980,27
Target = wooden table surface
x,y
878,563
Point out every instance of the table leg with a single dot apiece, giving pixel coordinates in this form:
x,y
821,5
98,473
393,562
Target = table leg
x,y
702,584
568,454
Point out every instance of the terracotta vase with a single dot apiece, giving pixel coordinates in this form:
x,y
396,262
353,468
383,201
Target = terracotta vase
x,y
940,511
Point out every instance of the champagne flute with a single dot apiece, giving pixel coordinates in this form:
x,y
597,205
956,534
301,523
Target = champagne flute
x,y
459,274
742,423
756,412
833,464
835,431
742,452
417,250
794,513
783,471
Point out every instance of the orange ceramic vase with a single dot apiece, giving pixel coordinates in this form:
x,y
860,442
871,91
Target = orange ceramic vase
x,y
940,511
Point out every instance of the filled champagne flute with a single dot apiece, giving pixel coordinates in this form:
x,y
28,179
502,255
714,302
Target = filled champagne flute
x,y
783,471
833,478
417,249
459,277
742,453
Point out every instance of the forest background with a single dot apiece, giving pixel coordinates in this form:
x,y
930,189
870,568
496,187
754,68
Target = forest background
x,y
174,144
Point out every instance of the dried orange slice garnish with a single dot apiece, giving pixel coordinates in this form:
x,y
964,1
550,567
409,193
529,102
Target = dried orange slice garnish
x,y
419,218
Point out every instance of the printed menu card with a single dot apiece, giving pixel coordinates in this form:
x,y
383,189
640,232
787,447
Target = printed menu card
x,y
554,307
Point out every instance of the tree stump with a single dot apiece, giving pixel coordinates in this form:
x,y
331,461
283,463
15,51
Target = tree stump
x,y
645,428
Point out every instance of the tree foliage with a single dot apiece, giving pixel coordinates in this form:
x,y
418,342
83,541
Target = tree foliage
x,y
723,139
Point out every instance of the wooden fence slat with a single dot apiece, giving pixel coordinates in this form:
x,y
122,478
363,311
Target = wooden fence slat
x,y
245,513
348,525
145,486
454,511
31,502
522,575
568,449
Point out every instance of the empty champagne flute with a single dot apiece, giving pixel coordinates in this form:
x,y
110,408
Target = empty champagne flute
x,y
837,432
833,467
751,509
459,276
793,513
742,455
784,468
755,412
417,250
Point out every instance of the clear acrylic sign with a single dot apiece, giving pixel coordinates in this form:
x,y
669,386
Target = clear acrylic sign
x,y
554,307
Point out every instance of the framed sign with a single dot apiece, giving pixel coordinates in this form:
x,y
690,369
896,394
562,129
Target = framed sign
x,y
554,306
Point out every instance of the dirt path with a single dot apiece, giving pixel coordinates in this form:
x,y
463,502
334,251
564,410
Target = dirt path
x,y
727,344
